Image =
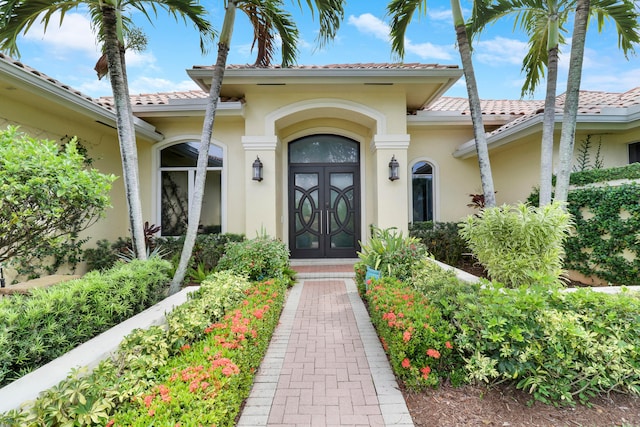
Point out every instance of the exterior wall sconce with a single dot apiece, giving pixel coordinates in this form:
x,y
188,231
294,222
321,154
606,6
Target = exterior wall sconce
x,y
257,169
393,169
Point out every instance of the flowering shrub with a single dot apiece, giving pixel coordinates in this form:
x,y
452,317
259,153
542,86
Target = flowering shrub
x,y
412,331
207,383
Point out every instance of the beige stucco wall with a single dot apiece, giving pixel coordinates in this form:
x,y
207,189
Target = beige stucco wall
x,y
454,179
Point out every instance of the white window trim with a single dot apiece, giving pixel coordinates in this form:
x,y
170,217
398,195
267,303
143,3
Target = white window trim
x,y
435,183
156,179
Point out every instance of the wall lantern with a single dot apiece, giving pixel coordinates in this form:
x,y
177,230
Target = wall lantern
x,y
393,169
257,169
1,278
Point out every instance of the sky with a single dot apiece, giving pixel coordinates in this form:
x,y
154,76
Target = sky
x,y
69,52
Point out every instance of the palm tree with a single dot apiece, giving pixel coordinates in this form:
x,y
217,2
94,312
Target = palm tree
x,y
269,18
401,12
628,26
17,17
543,21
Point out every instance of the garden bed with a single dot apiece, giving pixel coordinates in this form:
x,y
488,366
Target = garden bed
x,y
505,406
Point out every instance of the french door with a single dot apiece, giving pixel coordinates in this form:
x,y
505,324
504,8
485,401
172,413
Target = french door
x,y
324,210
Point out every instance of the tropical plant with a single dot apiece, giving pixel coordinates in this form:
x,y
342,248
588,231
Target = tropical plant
x,y
519,245
47,196
270,20
401,12
107,17
543,21
393,254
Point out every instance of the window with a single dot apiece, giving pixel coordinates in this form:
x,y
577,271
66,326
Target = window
x,y
177,179
634,152
422,188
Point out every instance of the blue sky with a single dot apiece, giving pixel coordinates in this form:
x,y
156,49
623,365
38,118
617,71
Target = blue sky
x,y
69,53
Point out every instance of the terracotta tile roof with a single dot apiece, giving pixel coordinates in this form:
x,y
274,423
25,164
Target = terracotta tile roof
x,y
489,106
51,80
165,98
356,66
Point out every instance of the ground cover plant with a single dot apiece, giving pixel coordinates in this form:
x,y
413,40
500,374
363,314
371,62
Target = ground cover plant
x,y
37,328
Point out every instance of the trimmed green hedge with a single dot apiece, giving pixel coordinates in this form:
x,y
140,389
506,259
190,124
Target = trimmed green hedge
x,y
37,328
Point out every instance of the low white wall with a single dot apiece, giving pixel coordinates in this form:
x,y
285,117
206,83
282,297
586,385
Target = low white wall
x,y
88,354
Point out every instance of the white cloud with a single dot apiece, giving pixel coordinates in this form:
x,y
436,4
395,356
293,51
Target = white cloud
x,y
441,15
152,85
145,60
73,36
500,51
428,50
369,24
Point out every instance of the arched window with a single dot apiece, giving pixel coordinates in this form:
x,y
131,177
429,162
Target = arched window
x,y
422,189
177,178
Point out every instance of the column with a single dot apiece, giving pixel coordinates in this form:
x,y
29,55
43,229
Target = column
x,y
391,201
261,196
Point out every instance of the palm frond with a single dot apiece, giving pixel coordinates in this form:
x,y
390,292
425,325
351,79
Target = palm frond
x,y
401,12
330,14
626,17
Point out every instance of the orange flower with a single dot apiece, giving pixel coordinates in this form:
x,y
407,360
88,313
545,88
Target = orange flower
x,y
406,363
448,345
433,353
425,372
406,336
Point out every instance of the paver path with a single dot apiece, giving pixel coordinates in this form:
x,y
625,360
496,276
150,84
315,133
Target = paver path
x,y
325,365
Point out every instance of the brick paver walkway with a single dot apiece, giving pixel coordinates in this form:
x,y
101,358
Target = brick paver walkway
x,y
325,365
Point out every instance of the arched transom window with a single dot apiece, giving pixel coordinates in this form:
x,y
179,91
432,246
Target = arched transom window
x,y
177,177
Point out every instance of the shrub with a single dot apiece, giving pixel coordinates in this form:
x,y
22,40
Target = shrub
x,y
47,197
258,258
441,239
207,250
46,324
390,252
413,333
519,245
560,347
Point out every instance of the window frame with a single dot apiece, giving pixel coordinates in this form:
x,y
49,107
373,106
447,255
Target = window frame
x,y
159,169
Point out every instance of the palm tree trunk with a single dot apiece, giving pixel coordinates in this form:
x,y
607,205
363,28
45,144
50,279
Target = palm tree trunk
x,y
203,152
474,105
548,126
114,50
567,138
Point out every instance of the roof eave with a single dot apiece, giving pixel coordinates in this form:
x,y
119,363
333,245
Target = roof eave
x,y
613,119
81,104
194,108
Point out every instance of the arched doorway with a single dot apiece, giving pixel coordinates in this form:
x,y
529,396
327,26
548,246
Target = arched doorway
x,y
324,197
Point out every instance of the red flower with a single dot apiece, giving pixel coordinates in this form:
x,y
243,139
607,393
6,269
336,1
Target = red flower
x,y
425,372
433,353
448,345
110,423
406,363
406,336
